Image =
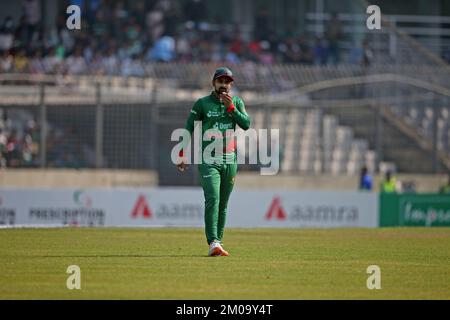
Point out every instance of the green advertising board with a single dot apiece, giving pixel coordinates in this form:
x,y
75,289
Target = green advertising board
x,y
419,210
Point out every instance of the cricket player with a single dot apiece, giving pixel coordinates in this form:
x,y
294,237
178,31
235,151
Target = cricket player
x,y
219,111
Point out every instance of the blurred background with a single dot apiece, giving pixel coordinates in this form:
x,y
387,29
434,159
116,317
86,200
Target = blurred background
x,y
96,106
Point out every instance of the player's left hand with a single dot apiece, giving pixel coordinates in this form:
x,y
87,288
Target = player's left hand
x,y
226,98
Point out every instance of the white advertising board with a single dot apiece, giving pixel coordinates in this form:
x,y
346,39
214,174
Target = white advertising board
x,y
185,207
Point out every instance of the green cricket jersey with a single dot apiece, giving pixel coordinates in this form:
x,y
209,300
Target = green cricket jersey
x,y
213,115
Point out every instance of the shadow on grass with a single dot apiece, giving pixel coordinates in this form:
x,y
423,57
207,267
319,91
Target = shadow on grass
x,y
124,256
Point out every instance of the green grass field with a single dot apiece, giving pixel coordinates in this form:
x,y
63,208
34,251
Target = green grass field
x,y
171,263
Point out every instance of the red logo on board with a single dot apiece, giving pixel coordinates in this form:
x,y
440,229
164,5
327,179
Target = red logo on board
x,y
141,208
276,210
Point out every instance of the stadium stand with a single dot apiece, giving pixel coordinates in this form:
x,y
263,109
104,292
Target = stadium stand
x,y
110,100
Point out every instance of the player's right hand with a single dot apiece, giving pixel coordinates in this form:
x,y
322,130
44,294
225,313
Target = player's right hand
x,y
182,165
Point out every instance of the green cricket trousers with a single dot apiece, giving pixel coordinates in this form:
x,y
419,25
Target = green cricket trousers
x,y
217,181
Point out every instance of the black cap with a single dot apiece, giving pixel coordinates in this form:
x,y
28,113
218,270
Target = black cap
x,y
223,72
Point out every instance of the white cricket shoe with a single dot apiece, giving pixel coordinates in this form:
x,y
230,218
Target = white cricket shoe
x,y
215,249
224,252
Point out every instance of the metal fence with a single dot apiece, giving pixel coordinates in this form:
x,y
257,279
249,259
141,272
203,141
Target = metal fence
x,y
137,135
92,122
81,135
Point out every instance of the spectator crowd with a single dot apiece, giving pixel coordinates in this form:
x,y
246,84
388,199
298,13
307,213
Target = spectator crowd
x,y
117,37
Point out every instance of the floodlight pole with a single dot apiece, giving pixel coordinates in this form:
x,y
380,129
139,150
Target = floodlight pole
x,y
43,125
98,127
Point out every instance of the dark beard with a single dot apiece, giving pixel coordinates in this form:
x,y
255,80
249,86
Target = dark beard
x,y
221,90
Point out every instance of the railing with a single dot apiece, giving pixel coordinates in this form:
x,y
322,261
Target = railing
x,y
270,79
387,42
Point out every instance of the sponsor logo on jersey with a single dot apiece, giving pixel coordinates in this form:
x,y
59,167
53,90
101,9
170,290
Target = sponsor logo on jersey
x,y
215,114
222,126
